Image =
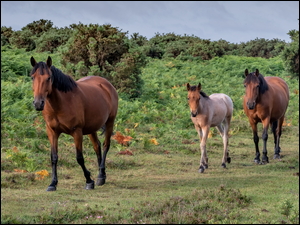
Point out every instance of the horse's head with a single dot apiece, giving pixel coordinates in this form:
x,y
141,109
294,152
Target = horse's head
x,y
41,82
193,98
251,84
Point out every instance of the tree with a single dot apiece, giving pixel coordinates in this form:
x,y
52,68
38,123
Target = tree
x,y
103,51
290,54
6,33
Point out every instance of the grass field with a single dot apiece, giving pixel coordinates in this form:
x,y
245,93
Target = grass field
x,y
161,184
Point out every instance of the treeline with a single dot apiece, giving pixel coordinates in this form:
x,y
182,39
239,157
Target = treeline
x,y
107,51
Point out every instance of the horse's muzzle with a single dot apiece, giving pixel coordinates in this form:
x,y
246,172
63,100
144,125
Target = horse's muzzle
x,y
250,105
193,114
39,105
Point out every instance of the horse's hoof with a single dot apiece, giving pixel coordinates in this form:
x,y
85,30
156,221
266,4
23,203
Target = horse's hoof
x,y
277,151
51,188
90,186
265,160
276,156
228,159
100,181
257,161
201,169
223,165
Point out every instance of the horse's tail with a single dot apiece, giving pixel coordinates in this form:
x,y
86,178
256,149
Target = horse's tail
x,y
103,128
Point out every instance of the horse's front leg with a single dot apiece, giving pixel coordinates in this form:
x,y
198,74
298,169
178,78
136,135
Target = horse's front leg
x,y
78,137
53,138
256,140
204,158
266,122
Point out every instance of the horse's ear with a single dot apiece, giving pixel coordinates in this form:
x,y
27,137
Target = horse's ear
x,y
49,62
246,72
33,62
188,87
199,86
256,72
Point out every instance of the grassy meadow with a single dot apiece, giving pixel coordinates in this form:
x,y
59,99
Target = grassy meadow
x,y
153,178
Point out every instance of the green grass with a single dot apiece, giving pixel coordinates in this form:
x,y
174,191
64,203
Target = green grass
x,y
154,187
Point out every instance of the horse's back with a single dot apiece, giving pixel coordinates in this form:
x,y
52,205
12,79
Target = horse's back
x,y
102,85
223,102
99,99
279,85
280,92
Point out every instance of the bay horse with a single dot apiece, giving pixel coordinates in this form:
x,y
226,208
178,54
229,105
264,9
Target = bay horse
x,y
266,100
210,111
75,108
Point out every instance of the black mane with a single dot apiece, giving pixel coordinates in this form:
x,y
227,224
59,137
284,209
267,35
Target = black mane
x,y
194,88
60,81
263,86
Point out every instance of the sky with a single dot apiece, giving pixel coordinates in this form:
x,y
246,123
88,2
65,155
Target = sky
x,y
232,21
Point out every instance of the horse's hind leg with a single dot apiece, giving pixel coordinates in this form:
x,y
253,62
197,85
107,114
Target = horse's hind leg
x,y
78,137
276,129
108,132
97,148
224,135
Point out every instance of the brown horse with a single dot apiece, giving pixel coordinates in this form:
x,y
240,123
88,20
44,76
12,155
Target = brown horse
x,y
76,108
266,100
210,111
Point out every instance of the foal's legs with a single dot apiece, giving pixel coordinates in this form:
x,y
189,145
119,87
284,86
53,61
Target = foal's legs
x,y
224,135
204,158
78,137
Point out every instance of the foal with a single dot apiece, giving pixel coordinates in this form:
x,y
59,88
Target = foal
x,y
210,111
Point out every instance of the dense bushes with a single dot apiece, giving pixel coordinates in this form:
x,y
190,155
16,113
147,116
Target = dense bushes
x,y
103,51
290,54
106,51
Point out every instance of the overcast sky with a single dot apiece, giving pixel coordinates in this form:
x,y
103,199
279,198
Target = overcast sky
x,y
232,21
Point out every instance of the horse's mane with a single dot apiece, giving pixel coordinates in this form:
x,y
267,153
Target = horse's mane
x,y
60,81
263,85
194,88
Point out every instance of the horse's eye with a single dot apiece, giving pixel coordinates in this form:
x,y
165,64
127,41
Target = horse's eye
x,y
48,79
244,85
32,78
188,98
257,86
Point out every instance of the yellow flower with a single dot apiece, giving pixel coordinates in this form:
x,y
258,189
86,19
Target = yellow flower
x,y
154,141
41,174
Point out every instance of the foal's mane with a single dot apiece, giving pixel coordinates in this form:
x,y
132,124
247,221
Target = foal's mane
x,y
60,81
194,88
263,85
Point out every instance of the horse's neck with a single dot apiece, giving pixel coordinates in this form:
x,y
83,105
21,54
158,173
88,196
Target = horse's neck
x,y
203,104
57,99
